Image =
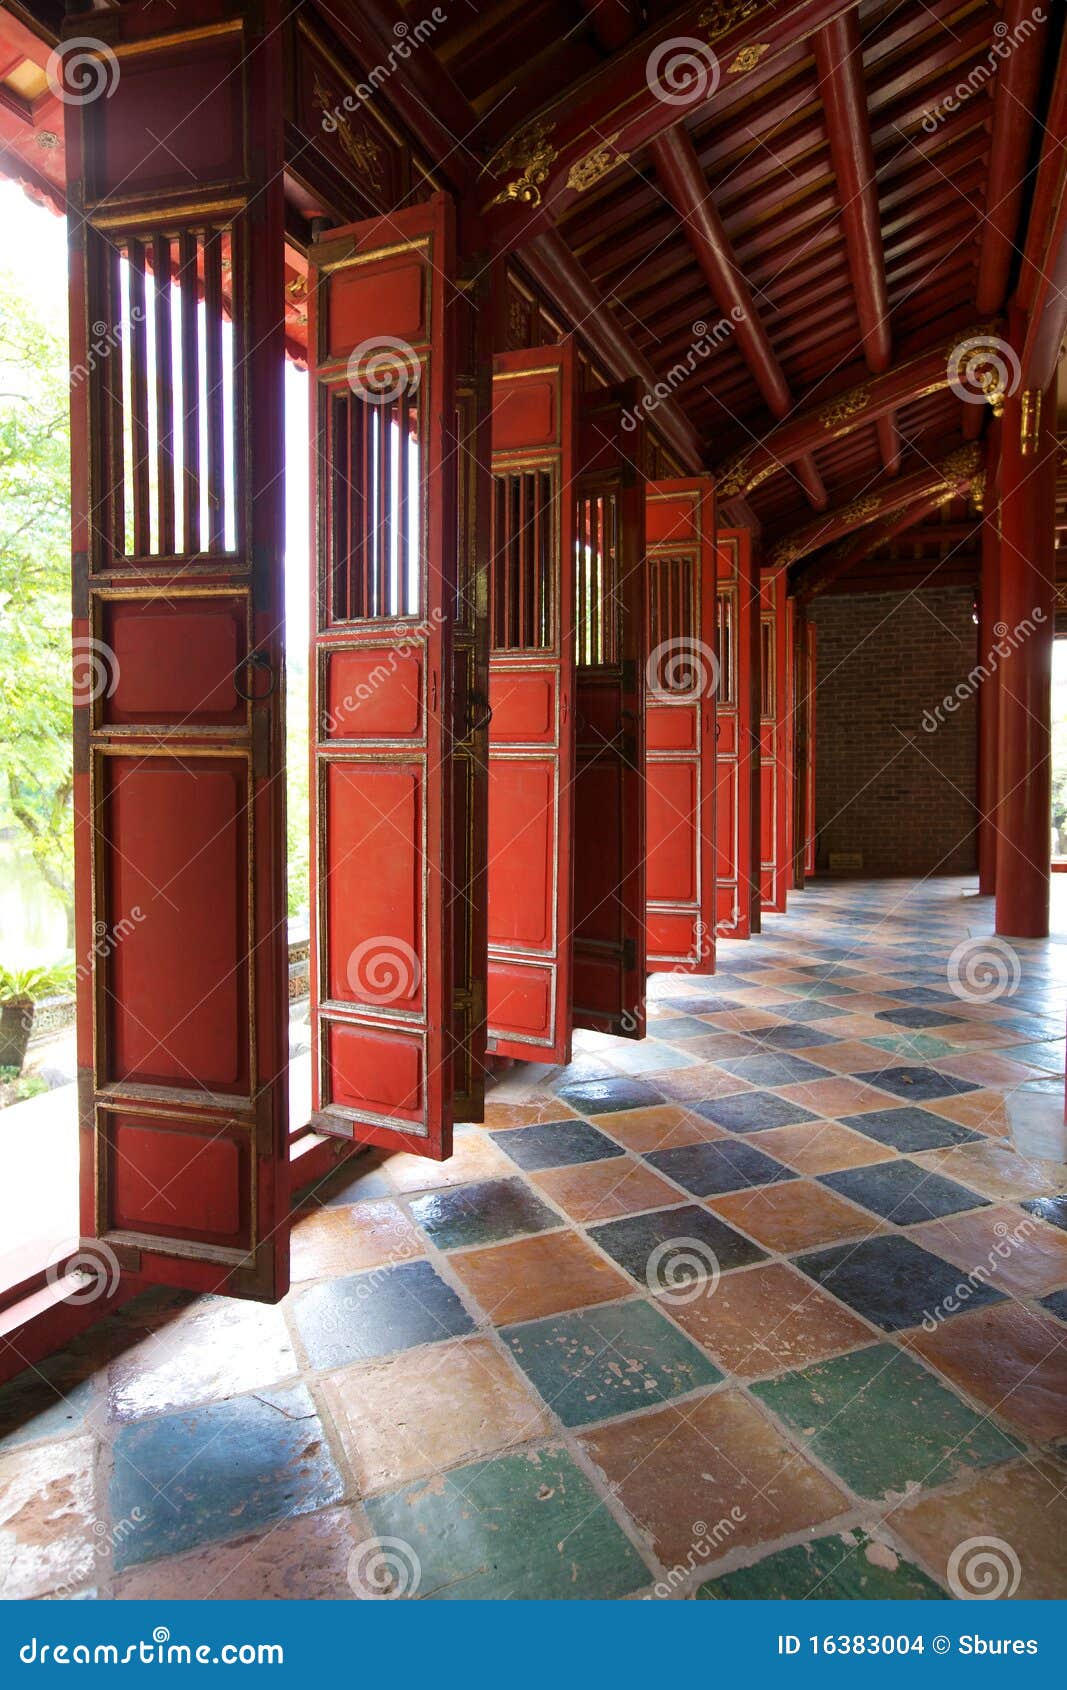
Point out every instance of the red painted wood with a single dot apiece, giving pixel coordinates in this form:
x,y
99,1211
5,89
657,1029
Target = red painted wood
x,y
687,188
531,692
1015,95
736,741
1026,602
809,795
179,747
684,684
838,53
775,732
988,700
610,944
623,101
382,362
554,267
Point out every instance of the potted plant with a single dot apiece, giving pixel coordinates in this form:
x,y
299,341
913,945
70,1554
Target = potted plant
x,y
21,989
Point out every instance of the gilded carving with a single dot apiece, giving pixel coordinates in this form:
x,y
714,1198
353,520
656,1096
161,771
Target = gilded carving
x,y
1030,421
863,508
748,58
964,462
532,154
721,16
839,410
587,171
358,145
734,480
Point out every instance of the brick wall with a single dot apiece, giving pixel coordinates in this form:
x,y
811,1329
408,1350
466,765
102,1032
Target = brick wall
x,y
901,794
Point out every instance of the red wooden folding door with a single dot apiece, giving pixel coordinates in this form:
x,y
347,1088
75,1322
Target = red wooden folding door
x,y
683,679
176,192
734,733
775,732
609,948
390,988
531,693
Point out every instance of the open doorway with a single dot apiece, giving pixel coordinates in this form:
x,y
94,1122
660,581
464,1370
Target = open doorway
x,y
39,1222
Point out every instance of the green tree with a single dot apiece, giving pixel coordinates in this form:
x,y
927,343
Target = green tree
x,y
35,639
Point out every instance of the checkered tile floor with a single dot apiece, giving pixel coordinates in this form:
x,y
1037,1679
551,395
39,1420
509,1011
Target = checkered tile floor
x,y
770,1304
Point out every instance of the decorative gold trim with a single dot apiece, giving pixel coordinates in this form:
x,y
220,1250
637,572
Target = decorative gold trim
x,y
965,461
863,508
848,405
1030,421
721,16
748,58
597,164
531,153
362,151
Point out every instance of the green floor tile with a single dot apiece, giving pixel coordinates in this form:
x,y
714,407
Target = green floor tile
x,y
529,1527
883,1422
832,1569
922,1045
599,1362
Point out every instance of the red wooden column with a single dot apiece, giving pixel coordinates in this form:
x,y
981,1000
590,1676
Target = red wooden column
x,y
1028,453
989,692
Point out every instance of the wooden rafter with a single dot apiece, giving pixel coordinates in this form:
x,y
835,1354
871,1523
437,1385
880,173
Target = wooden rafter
x,y
686,187
554,268
839,62
923,373
953,475
557,154
852,553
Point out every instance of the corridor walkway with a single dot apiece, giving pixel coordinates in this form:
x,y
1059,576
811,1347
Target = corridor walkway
x,y
772,1304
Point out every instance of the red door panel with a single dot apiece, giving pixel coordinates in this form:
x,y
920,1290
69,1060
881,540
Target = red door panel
x,y
809,796
384,706
682,678
610,645
733,736
178,540
531,694
775,793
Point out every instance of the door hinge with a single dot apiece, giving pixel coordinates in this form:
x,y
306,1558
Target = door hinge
x,y
629,955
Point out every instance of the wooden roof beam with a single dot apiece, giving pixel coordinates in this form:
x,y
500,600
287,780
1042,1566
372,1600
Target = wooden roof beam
x,y
854,552
913,378
685,185
951,477
839,62
556,155
557,272
1018,76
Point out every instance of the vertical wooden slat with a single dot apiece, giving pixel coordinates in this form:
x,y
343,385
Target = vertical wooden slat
x,y
190,289
137,330
113,405
406,605
348,457
164,398
216,457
